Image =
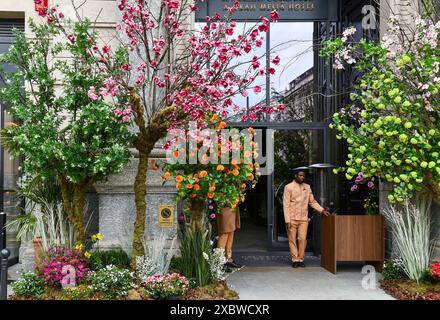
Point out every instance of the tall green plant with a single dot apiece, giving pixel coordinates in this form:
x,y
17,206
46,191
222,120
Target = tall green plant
x,y
410,226
195,242
67,132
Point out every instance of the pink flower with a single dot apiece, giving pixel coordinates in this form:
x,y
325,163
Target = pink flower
x,y
71,38
274,16
61,15
354,187
370,184
126,67
92,94
276,60
257,89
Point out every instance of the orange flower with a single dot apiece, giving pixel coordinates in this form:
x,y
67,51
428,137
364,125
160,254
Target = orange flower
x,y
210,195
178,186
212,188
179,178
243,186
241,160
193,195
251,165
220,167
233,162
167,175
196,187
222,125
175,154
251,177
251,130
203,174
247,154
235,172
196,179
205,158
189,186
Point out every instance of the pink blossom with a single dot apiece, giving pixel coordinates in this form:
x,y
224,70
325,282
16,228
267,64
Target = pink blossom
x,y
257,89
91,93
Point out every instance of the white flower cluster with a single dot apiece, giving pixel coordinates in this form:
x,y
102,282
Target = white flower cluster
x,y
145,267
112,282
216,261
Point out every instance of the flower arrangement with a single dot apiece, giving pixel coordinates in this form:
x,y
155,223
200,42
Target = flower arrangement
x,y
370,204
169,285
60,262
224,170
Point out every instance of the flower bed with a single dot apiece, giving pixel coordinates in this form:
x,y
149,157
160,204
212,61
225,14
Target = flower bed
x,y
404,289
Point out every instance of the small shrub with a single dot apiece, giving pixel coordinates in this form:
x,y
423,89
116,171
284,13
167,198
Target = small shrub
x,y
81,292
145,267
170,285
30,285
112,282
393,270
57,263
101,259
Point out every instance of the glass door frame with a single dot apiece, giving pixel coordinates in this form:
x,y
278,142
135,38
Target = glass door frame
x,y
272,245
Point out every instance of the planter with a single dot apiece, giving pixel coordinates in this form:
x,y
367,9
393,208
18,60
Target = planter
x,y
352,238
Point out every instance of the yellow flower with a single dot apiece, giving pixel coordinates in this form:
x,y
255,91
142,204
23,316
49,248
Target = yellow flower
x,y
87,254
93,238
99,236
79,246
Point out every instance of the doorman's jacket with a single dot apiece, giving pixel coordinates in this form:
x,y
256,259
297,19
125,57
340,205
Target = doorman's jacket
x,y
296,199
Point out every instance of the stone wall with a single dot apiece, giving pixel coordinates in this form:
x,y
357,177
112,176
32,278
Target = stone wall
x,y
117,210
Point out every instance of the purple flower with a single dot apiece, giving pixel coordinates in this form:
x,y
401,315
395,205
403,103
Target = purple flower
x,y
370,184
212,215
354,187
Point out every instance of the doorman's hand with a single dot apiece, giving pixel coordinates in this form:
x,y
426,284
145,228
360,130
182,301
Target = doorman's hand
x,y
288,226
325,213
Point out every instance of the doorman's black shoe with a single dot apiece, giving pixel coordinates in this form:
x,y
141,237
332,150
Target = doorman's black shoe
x,y
227,269
301,264
294,264
233,264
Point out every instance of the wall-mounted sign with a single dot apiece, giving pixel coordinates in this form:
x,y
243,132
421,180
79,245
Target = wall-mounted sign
x,y
166,216
289,10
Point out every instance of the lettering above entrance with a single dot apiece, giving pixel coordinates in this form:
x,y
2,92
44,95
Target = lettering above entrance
x,y
289,10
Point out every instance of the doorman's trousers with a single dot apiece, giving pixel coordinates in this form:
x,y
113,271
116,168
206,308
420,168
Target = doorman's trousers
x,y
225,241
298,231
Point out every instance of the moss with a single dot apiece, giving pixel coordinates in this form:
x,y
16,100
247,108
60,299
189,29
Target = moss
x,y
213,291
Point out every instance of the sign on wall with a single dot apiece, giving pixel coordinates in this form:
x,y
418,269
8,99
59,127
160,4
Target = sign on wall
x,y
289,10
166,216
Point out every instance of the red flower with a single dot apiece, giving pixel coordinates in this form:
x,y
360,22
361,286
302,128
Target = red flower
x,y
274,16
276,60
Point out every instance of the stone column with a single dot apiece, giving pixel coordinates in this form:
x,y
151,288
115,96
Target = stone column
x,y
117,207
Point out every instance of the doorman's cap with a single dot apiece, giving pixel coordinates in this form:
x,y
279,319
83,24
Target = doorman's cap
x,y
298,169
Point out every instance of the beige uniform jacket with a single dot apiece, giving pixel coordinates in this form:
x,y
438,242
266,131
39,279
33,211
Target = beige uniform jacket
x,y
296,199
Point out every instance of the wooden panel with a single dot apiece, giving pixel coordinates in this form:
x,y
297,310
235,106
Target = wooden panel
x,y
359,238
328,245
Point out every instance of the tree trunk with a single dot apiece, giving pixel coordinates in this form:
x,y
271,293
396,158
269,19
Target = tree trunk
x,y
140,193
74,199
197,211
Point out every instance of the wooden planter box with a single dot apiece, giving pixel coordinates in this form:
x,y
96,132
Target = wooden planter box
x,y
352,238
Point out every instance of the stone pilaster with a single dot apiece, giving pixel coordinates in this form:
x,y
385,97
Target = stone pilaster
x,y
117,207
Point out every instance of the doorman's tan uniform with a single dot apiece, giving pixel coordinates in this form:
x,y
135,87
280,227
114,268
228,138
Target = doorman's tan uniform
x,y
296,200
227,222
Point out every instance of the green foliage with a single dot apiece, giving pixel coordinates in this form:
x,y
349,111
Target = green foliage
x,y
112,282
29,285
101,259
61,131
194,243
391,127
393,270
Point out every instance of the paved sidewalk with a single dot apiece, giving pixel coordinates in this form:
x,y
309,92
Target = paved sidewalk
x,y
311,283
